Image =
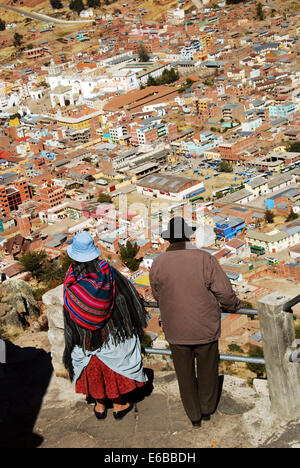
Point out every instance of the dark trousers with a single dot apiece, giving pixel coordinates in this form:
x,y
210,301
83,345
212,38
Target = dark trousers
x,y
198,381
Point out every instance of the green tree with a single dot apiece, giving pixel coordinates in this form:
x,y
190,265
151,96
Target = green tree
x,y
269,216
65,262
143,54
260,12
187,84
234,2
209,82
34,262
151,81
292,216
146,341
76,5
51,273
225,166
258,369
247,305
2,25
56,4
234,348
169,76
39,292
17,39
293,147
104,198
297,332
93,3
15,116
128,255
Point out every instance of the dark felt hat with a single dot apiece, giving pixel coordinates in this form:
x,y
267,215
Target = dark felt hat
x,y
177,230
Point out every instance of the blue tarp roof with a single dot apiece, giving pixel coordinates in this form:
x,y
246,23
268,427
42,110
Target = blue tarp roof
x,y
256,336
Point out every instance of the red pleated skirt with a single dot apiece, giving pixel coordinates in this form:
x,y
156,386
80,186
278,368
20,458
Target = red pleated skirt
x,y
99,381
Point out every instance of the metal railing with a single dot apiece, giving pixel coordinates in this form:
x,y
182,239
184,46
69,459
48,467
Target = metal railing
x,y
231,357
288,305
223,357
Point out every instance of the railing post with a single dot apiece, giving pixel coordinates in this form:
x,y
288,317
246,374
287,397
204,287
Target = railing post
x,y
278,337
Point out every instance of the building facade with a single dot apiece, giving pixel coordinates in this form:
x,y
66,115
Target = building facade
x,y
14,195
51,194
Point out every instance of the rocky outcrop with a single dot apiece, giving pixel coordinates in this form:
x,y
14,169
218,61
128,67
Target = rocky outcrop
x,y
17,305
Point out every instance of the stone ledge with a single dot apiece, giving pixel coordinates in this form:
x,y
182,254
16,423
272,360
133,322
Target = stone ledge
x,y
53,301
54,297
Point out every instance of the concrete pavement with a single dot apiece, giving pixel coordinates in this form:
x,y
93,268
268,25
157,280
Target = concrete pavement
x,y
38,409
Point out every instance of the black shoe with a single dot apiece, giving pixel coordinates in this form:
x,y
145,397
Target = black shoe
x,y
89,400
122,413
205,417
100,415
196,423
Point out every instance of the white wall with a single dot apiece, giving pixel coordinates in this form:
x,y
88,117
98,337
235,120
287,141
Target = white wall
x,y
173,196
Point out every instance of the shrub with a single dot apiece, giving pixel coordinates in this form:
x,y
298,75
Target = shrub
x,y
258,369
235,348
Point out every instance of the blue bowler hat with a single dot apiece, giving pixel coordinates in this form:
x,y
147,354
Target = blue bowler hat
x,y
83,248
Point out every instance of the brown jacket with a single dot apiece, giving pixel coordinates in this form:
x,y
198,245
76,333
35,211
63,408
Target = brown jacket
x,y
189,285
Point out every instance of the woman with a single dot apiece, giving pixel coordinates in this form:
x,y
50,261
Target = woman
x,y
104,320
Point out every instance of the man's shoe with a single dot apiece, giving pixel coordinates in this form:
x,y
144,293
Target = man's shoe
x,y
205,417
122,413
196,423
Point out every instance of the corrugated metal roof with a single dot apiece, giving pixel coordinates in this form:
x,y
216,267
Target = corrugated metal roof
x,y
266,237
291,230
168,182
54,243
257,182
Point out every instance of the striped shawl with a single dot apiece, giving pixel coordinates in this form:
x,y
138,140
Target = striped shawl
x,y
89,298
128,318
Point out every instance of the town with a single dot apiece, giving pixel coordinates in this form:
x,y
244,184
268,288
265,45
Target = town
x,y
130,115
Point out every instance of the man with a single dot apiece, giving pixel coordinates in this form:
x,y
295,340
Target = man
x,y
189,285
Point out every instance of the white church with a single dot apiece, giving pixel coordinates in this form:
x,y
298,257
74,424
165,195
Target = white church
x,y
70,87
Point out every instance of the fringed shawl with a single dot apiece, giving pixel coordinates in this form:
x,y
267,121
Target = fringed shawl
x,y
128,318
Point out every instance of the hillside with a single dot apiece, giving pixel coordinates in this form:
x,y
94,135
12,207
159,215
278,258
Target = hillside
x,y
155,8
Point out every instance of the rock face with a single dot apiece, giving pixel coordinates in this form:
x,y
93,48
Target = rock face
x,y
53,300
17,304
